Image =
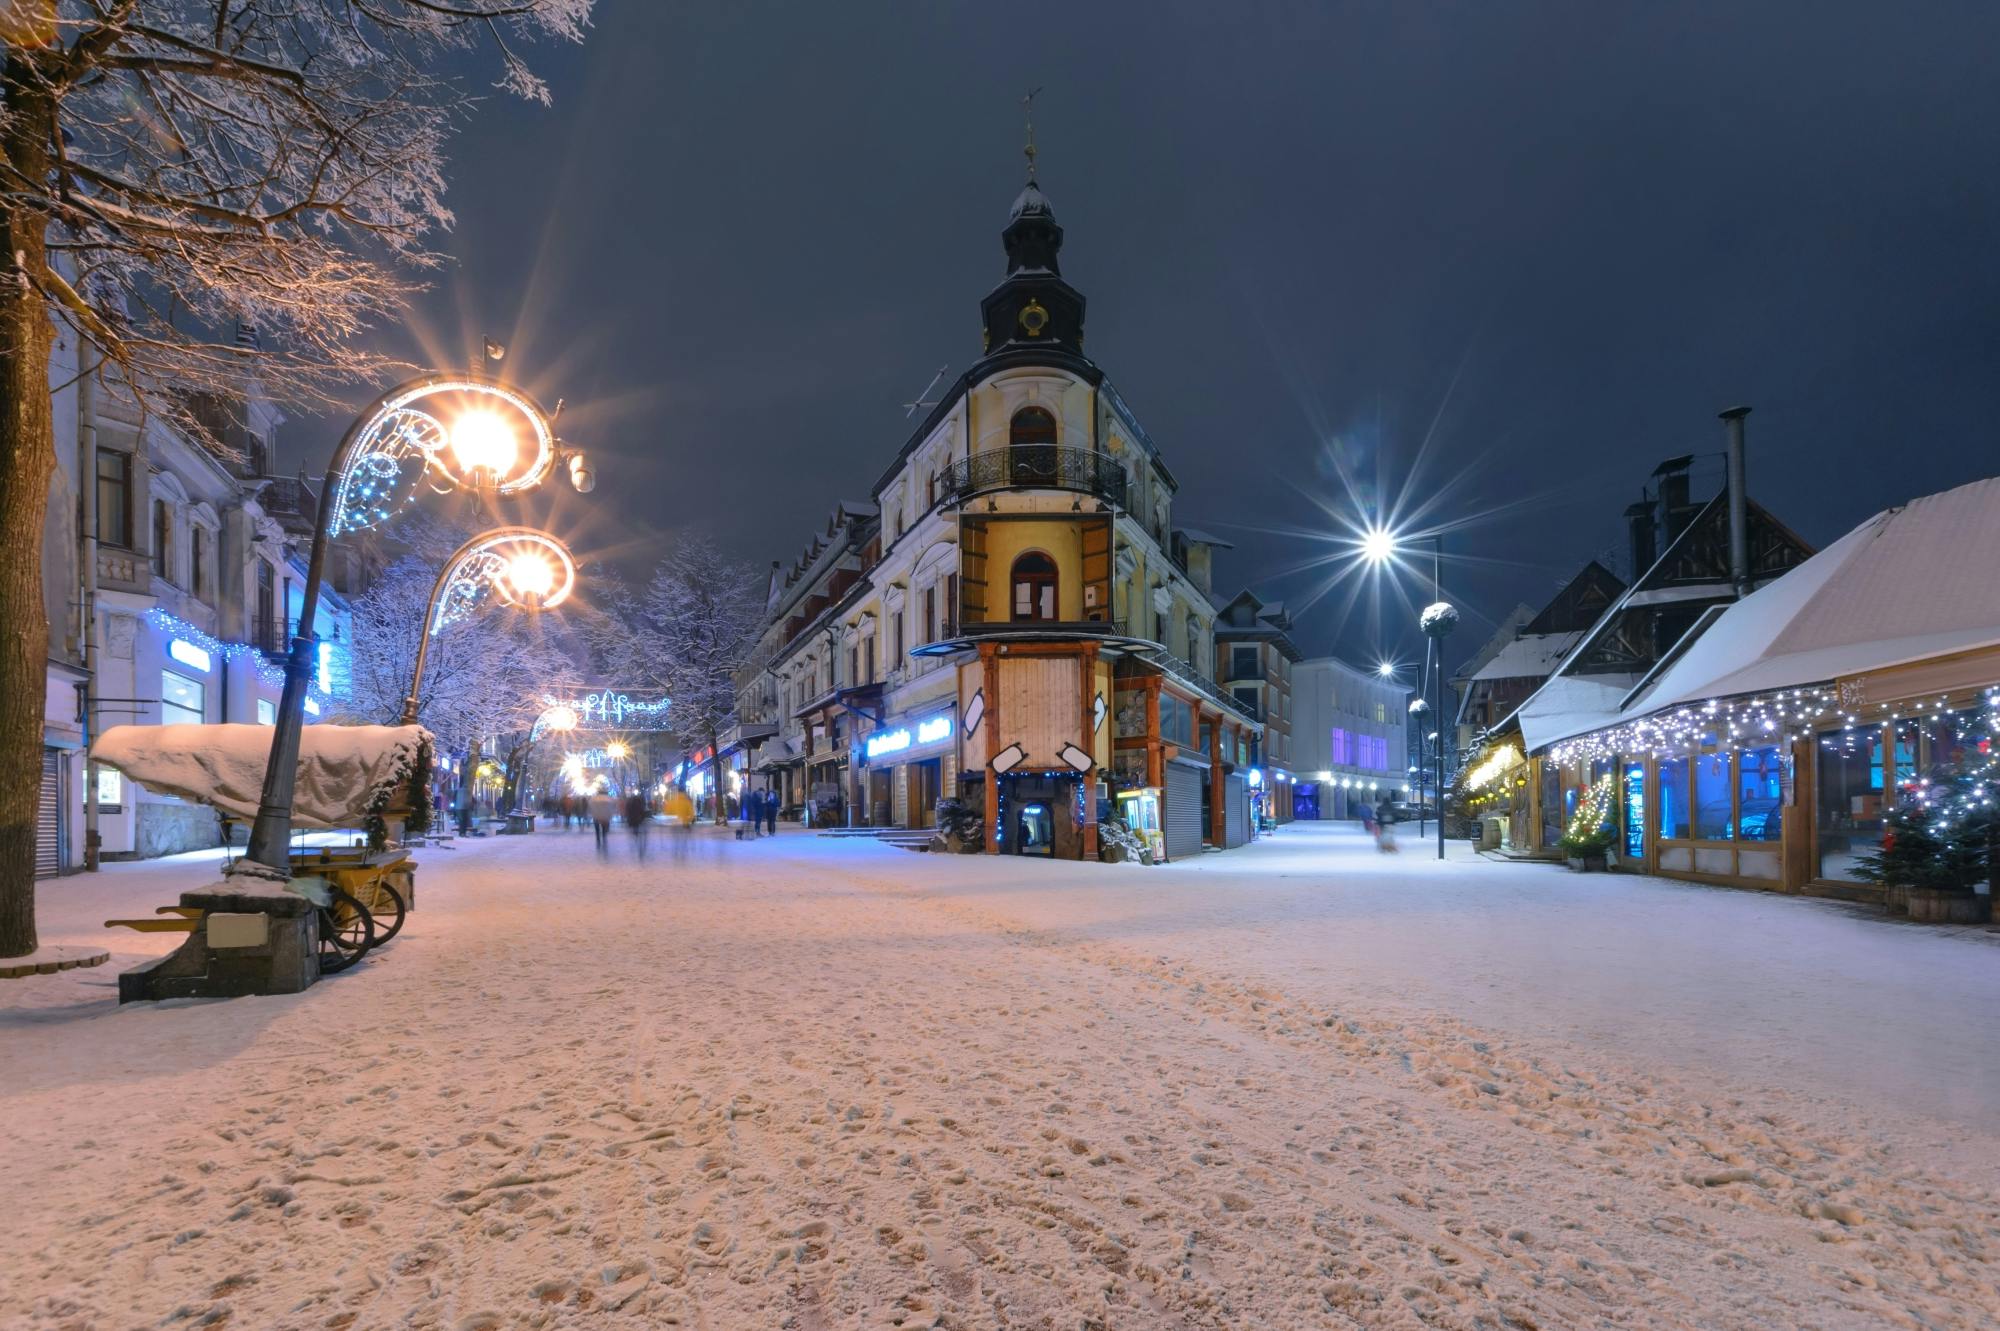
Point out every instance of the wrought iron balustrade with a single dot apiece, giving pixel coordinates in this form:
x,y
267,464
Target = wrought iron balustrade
x,y
1034,467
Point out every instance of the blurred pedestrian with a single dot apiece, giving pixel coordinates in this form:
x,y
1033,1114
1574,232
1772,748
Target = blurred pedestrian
x,y
680,809
771,812
1385,833
602,810
637,816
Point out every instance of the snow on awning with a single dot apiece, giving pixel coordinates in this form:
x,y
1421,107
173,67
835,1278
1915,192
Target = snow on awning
x,y
1571,705
341,768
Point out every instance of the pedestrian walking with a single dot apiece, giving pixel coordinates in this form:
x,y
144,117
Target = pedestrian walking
x,y
1385,835
771,812
602,809
637,816
680,809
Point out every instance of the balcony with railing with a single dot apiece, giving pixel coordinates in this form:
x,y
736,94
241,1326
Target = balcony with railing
x,y
1034,467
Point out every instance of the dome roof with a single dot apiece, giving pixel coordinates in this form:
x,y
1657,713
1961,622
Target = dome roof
x,y
1031,202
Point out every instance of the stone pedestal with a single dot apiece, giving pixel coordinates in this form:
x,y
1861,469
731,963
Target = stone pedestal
x,y
242,944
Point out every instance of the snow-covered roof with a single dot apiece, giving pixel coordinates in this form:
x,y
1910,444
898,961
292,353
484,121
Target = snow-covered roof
x,y
1909,583
1530,656
340,767
1571,705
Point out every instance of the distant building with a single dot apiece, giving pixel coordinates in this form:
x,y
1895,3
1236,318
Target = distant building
x,y
1349,739
1254,659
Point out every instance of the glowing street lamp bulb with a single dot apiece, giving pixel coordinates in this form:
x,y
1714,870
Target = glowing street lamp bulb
x,y
618,749
1378,545
531,574
1386,669
562,718
483,441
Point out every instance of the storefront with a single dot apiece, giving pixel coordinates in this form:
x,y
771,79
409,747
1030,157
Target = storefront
x,y
909,761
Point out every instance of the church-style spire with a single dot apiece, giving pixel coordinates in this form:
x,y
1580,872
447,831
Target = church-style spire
x,y
1033,306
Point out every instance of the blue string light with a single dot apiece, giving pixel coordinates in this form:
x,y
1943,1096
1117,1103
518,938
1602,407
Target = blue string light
x,y
174,626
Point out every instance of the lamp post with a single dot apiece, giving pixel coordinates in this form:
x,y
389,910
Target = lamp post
x,y
1380,546
524,566
480,449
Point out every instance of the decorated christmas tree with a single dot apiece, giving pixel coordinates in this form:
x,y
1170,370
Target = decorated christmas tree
x,y
1941,836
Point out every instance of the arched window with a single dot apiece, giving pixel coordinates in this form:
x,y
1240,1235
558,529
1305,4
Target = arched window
x,y
1031,453
1034,580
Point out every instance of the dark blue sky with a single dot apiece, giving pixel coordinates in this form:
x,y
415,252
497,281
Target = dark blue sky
x,y
1552,239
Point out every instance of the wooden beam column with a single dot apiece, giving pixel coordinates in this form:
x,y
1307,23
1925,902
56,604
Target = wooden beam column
x,y
1155,775
990,669
1215,793
1087,668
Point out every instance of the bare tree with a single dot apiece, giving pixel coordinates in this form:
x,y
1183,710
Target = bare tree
x,y
169,168
701,611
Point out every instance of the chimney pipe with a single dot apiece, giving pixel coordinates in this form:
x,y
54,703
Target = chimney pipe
x,y
1739,504
1644,551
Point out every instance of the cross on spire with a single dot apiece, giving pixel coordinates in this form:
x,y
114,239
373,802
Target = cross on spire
x,y
1028,112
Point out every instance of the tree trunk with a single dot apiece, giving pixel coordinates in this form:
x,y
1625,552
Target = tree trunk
x,y
27,460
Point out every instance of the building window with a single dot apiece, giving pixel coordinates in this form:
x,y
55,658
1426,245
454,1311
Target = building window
x,y
1243,662
1031,456
267,610
1246,698
198,560
1034,579
868,659
950,604
180,700
930,613
114,497
899,637
163,539
1342,748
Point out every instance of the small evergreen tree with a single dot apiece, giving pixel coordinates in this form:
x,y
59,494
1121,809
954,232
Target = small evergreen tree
x,y
1942,838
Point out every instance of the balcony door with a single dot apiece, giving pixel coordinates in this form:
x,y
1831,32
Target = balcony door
x,y
1031,453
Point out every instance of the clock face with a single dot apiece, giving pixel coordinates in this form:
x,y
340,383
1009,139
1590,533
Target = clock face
x,y
1034,318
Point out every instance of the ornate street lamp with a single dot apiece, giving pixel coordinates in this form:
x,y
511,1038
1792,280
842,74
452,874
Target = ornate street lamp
x,y
456,431
520,565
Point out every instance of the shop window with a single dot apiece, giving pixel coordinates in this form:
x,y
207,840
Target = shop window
x,y
1034,579
1675,825
1712,821
1634,824
181,700
1760,795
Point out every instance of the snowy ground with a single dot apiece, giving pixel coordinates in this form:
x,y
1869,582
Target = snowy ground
x,y
813,1084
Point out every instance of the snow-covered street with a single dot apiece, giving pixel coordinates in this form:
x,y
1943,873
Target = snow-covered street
x,y
809,1083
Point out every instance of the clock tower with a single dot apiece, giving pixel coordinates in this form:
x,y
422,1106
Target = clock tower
x,y
1033,308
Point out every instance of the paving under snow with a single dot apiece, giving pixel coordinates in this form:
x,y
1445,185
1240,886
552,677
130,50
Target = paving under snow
x,y
812,1084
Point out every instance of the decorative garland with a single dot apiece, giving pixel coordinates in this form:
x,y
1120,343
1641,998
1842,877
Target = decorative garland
x,y
274,676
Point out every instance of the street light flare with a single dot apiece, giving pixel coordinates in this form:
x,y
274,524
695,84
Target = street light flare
x,y
531,574
1378,545
482,441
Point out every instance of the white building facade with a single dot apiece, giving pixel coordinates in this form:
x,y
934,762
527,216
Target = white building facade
x,y
1350,743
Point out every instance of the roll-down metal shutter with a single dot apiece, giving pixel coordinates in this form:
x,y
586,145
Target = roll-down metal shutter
x,y
1235,811
48,817
1182,816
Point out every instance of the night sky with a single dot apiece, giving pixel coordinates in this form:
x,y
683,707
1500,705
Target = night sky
x,y
1491,262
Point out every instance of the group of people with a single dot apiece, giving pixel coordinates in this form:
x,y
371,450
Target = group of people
x,y
758,813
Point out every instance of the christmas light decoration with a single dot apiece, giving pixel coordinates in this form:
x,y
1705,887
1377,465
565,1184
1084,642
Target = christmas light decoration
x,y
201,640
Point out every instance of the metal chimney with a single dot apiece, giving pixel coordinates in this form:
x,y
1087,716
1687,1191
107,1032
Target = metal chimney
x,y
1739,504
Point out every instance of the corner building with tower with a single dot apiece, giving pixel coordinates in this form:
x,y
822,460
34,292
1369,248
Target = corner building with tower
x,y
1014,620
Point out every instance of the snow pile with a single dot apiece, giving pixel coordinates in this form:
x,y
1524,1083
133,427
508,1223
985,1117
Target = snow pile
x,y
342,769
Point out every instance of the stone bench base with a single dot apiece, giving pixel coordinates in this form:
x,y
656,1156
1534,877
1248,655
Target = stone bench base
x,y
242,944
